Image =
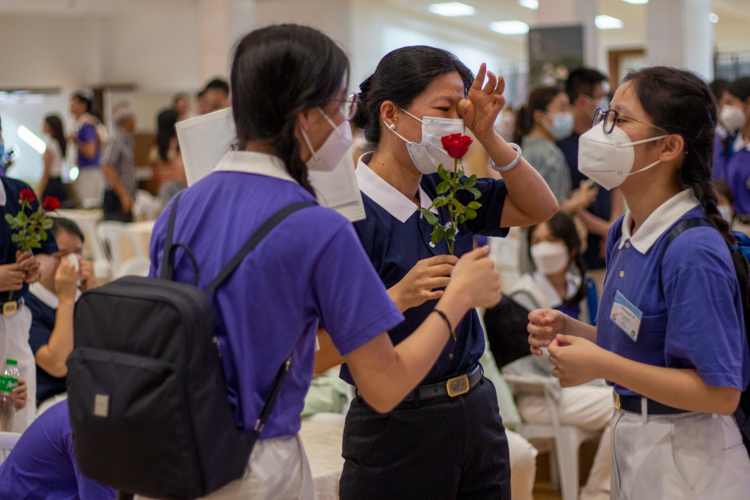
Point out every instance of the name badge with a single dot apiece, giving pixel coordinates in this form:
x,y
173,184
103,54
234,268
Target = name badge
x,y
626,316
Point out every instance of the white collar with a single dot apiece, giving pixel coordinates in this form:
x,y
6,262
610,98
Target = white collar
x,y
739,144
659,221
3,196
250,162
47,297
573,282
387,196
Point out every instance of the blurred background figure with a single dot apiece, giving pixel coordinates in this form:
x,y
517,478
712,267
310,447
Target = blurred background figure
x,y
51,183
119,167
165,157
217,94
181,105
88,142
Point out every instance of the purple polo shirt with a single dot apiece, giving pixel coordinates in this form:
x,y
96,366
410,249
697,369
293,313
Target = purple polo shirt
x,y
43,465
738,176
88,133
698,321
310,271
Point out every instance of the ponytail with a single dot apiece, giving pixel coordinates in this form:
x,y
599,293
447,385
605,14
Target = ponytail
x,y
539,100
524,124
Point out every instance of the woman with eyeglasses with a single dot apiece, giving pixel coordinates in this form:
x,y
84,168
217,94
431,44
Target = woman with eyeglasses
x,y
310,271
670,334
445,439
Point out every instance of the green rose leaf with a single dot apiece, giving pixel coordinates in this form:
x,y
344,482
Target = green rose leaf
x,y
457,206
437,233
21,217
471,181
10,219
429,216
459,174
470,213
43,235
440,201
450,234
475,192
47,224
443,187
474,205
442,173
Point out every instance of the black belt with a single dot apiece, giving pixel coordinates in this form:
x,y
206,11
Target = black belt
x,y
633,405
454,386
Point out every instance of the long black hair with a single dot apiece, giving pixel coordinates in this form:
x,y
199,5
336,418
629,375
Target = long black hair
x,y
166,131
539,99
55,124
401,76
561,226
681,103
740,88
279,72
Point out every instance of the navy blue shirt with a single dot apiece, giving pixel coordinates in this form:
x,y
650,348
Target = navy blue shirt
x,y
42,324
601,207
698,321
395,247
13,188
42,465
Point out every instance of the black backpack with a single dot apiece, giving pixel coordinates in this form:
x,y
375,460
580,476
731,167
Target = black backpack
x,y
742,414
147,396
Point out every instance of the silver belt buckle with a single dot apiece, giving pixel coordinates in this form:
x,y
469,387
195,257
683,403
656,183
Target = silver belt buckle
x,y
616,400
457,385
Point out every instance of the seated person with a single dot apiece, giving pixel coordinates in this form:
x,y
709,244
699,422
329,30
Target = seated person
x,y
42,463
51,302
554,246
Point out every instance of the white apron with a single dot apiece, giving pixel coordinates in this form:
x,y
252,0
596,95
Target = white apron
x,y
689,456
14,344
278,470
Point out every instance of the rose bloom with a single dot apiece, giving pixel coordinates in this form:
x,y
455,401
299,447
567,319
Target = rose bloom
x,y
456,145
50,204
27,195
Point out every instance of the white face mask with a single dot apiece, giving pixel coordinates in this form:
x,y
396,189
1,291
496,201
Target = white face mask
x,y
333,150
732,117
562,125
608,158
550,258
726,213
429,153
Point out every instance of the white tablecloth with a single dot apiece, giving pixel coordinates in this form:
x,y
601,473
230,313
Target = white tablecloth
x,y
323,447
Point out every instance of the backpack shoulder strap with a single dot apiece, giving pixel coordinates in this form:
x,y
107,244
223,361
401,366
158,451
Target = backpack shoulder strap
x,y
254,240
673,234
167,265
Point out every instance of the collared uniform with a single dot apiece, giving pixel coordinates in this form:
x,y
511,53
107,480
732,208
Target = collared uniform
x,y
696,324
14,329
309,272
90,182
442,448
738,176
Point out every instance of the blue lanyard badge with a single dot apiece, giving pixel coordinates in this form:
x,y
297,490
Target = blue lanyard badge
x,y
626,316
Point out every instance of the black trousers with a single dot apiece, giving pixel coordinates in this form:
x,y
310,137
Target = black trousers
x,y
449,448
112,208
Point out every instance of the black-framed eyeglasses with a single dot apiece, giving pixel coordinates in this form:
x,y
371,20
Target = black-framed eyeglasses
x,y
350,106
609,118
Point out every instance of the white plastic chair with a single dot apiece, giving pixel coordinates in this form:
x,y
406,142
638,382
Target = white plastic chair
x,y
7,441
135,266
112,233
146,207
563,441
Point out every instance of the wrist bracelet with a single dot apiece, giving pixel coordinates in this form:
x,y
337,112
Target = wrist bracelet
x,y
445,318
510,165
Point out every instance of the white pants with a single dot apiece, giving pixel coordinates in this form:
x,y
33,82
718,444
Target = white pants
x,y
14,344
522,466
278,470
588,407
689,456
89,186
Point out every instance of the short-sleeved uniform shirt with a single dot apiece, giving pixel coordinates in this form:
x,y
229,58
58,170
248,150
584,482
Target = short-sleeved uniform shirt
x,y
396,237
308,272
43,306
698,321
601,206
723,151
119,152
86,133
9,205
43,464
738,176
550,162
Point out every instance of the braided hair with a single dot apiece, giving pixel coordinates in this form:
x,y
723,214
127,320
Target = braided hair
x,y
279,72
681,103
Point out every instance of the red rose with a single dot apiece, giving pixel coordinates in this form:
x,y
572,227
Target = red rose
x,y
456,144
27,195
50,204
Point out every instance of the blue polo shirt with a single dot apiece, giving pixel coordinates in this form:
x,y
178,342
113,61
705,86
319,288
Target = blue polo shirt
x,y
9,205
723,151
396,237
42,464
738,176
88,133
601,206
310,271
698,322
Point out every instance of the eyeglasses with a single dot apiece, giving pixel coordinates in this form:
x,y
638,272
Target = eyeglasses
x,y
350,106
609,118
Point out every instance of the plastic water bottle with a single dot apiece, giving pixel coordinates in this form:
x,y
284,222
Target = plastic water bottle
x,y
8,382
